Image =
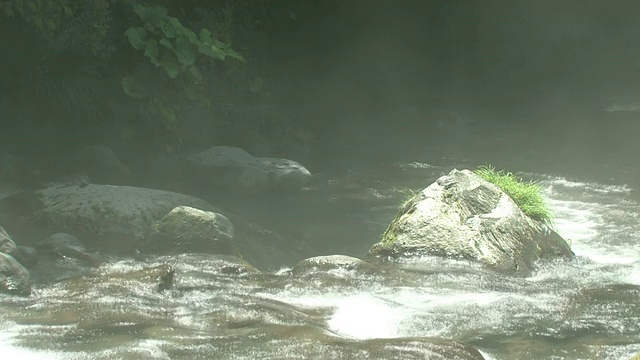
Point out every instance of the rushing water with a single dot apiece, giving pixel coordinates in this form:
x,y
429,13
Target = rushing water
x,y
586,308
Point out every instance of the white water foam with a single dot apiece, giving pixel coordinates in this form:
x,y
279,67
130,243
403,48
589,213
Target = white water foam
x,y
10,350
582,221
365,317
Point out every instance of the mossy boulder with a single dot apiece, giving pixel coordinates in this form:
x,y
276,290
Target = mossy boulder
x,y
462,215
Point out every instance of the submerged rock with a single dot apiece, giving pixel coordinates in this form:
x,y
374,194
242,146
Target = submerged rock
x,y
212,263
417,348
68,246
14,278
464,216
156,278
330,262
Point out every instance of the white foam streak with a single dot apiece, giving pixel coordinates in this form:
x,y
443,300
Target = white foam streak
x,y
10,350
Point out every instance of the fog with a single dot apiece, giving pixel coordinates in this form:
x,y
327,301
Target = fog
x,y
533,77
375,80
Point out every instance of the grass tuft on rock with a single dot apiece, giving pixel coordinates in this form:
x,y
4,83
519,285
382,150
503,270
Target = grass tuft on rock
x,y
526,195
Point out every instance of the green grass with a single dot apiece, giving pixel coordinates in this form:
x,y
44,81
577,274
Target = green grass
x,y
525,194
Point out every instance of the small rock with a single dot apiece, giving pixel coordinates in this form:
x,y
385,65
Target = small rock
x,y
330,262
186,229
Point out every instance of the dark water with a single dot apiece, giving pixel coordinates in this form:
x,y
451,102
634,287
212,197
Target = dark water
x,y
587,308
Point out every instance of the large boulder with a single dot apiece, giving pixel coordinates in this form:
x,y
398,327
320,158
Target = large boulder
x,y
462,215
109,218
185,229
235,169
14,278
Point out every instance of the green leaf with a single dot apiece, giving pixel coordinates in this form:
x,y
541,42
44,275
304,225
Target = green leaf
x,y
216,49
205,46
185,51
152,51
171,27
136,36
205,36
166,43
191,36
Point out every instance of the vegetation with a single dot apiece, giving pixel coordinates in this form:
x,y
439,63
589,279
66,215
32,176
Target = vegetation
x,y
410,198
525,194
158,73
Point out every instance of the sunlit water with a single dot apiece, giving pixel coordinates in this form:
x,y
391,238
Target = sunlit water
x,y
586,308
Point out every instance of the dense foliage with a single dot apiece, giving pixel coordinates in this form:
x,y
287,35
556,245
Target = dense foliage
x,y
156,71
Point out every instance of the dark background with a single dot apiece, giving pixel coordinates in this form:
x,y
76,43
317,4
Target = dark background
x,y
332,84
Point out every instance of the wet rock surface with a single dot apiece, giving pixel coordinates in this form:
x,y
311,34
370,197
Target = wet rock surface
x,y
185,229
462,215
329,263
14,278
62,245
107,217
235,169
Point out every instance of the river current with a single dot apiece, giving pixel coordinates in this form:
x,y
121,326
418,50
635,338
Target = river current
x,y
585,308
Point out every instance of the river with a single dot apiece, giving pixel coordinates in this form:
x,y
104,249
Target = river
x,y
586,308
